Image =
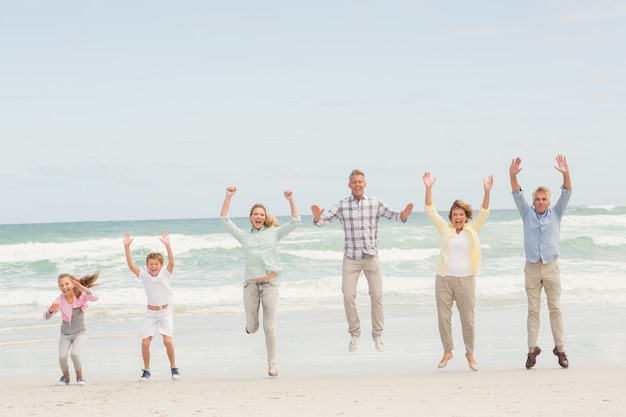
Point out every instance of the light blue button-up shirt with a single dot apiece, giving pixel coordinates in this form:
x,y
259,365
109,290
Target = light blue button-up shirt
x,y
542,231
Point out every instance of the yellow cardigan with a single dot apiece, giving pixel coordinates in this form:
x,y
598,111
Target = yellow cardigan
x,y
447,230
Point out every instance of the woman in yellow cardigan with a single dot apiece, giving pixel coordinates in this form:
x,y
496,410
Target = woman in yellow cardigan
x,y
459,263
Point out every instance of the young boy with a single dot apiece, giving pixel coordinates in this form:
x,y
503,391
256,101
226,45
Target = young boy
x,y
159,317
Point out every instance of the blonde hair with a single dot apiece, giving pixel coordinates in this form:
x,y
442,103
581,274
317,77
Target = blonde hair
x,y
270,221
86,281
155,255
460,204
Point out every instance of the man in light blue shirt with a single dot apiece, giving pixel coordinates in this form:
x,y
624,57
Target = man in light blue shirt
x,y
542,228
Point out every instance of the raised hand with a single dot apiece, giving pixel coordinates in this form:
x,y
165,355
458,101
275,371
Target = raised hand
x,y
561,164
127,239
516,166
428,181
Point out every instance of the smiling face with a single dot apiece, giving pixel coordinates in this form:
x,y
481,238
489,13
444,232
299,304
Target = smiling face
x,y
460,213
458,217
257,216
65,285
154,266
357,185
541,201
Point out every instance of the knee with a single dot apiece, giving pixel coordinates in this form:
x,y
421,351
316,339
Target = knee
x,y
376,296
145,343
252,328
168,342
349,297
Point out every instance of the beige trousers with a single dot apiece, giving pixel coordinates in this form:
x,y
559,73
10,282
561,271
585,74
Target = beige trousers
x,y
351,270
461,290
548,277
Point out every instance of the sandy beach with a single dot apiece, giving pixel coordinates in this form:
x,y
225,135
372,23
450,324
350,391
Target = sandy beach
x,y
224,374
578,391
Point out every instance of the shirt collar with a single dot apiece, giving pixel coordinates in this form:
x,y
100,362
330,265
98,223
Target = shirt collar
x,y
353,198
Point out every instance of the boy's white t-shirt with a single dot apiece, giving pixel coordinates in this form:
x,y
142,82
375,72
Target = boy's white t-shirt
x,y
157,288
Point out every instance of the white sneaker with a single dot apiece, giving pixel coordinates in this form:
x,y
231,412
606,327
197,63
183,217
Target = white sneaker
x,y
379,344
354,343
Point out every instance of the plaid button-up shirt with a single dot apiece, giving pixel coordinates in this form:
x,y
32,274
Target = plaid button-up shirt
x,y
360,223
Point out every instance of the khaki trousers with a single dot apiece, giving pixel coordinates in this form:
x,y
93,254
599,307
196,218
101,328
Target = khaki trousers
x,y
351,270
461,290
548,277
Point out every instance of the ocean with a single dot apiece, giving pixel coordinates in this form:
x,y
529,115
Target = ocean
x,y
311,325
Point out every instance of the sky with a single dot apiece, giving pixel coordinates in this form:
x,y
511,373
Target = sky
x,y
130,110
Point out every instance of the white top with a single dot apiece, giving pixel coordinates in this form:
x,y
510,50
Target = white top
x,y
460,264
157,288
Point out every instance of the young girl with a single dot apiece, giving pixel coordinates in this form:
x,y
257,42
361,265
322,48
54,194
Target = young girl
x,y
260,245
72,303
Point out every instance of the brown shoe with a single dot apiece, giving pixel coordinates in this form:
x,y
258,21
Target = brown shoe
x,y
532,357
562,358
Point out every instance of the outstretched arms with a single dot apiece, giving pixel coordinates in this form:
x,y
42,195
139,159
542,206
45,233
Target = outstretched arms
x,y
430,181
129,259
428,194
292,205
487,185
514,169
563,168
230,191
165,239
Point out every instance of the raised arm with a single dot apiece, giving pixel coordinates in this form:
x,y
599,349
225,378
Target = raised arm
x,y
428,183
487,185
230,191
165,238
514,169
564,169
129,259
292,204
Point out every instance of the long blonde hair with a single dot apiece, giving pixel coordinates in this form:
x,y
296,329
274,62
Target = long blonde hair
x,y
86,281
270,221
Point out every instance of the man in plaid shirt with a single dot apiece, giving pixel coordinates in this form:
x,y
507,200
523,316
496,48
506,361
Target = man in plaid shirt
x,y
359,215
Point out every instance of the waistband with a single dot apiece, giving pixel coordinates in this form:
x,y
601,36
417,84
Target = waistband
x,y
157,308
264,282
